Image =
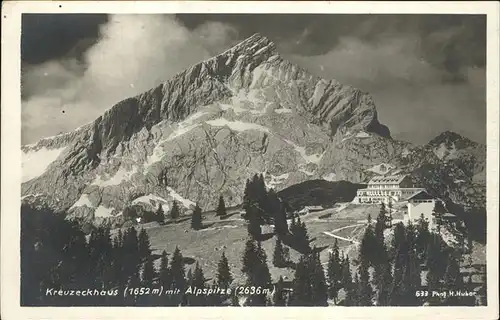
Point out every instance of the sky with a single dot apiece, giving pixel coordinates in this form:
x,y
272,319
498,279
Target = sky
x,y
426,73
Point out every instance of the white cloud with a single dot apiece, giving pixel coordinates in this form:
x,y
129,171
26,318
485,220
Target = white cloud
x,y
134,54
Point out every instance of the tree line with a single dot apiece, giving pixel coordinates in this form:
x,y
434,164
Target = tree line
x,y
55,253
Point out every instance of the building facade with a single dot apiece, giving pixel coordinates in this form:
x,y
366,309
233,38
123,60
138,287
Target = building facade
x,y
419,204
385,189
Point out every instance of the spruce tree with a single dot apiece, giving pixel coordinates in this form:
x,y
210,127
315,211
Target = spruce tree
x,y
279,296
221,208
143,245
453,279
369,250
259,276
334,272
380,223
164,272
249,257
147,280
438,212
278,254
302,292
365,289
131,256
422,238
319,286
198,281
278,213
411,280
196,219
354,298
398,240
254,229
177,273
149,272
349,288
235,301
160,214
293,224
224,277
383,281
174,212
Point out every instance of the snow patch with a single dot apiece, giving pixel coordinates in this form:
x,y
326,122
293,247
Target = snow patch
x,y
363,134
120,176
381,169
305,171
276,180
330,177
152,200
283,110
84,201
405,152
313,158
31,195
185,202
35,163
443,151
237,125
103,212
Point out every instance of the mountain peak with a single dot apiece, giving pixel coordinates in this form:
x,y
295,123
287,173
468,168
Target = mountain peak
x,y
256,44
449,138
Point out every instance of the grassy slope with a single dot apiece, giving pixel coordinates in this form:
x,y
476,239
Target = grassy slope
x,y
206,246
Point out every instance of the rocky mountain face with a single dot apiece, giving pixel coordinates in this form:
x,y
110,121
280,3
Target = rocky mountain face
x,y
202,133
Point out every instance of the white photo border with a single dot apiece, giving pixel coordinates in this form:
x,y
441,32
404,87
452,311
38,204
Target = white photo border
x,y
11,157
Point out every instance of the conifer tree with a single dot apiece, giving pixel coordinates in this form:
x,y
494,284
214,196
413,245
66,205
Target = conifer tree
x,y
349,288
293,224
177,273
131,256
277,210
398,240
279,296
160,214
411,280
147,280
198,281
365,289
422,238
249,257
221,208
174,212
369,250
149,272
235,301
334,271
143,245
380,223
224,277
259,276
438,212
301,284
196,219
383,281
354,296
262,273
254,229
164,272
319,286
453,279
278,254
